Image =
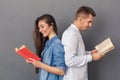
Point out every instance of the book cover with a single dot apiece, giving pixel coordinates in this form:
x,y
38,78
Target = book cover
x,y
105,46
26,53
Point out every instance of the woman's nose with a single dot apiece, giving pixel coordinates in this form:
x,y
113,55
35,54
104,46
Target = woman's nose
x,y
40,30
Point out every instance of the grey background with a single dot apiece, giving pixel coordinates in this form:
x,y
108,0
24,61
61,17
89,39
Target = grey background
x,y
16,26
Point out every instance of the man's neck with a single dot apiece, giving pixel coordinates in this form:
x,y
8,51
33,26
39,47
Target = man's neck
x,y
76,25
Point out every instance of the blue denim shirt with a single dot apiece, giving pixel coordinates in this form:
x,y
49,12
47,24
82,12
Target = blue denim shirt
x,y
53,55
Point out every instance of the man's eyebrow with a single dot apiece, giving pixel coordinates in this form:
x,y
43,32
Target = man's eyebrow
x,y
90,21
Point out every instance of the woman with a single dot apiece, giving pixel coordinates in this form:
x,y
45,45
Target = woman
x,y
49,48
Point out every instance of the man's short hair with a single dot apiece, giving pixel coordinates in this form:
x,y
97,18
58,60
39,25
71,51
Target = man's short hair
x,y
85,10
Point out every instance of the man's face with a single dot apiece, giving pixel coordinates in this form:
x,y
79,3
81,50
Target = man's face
x,y
87,22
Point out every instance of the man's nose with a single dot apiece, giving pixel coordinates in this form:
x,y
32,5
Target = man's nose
x,y
90,25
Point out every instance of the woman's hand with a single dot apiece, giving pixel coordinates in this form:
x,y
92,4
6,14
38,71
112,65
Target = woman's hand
x,y
34,62
51,69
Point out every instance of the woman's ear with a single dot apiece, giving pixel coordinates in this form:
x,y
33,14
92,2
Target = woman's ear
x,y
52,25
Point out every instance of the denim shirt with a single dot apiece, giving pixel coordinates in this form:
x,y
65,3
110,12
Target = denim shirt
x,y
53,55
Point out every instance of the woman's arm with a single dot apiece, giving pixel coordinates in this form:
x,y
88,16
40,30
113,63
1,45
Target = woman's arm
x,y
46,67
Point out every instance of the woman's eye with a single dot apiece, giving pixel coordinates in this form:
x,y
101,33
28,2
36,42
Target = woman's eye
x,y
42,26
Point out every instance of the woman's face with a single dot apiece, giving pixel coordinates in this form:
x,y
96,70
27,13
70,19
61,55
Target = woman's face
x,y
44,28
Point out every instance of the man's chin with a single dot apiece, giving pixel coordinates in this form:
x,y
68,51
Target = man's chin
x,y
85,29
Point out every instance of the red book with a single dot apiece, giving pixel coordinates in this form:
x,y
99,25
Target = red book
x,y
26,53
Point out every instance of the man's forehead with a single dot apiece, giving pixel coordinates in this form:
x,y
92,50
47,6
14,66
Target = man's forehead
x,y
91,17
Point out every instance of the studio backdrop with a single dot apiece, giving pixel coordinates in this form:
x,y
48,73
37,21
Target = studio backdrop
x,y
17,23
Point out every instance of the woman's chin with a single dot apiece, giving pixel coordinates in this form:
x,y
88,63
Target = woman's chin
x,y
44,35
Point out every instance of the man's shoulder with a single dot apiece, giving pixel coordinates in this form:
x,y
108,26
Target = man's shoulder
x,y
69,31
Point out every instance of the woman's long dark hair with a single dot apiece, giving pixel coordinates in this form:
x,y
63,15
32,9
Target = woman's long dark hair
x,y
39,40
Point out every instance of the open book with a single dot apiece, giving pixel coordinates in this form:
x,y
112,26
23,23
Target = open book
x,y
26,53
105,46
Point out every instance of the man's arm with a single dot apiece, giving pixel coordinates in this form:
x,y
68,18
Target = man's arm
x,y
70,43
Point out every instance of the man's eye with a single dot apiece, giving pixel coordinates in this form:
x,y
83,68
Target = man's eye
x,y
90,22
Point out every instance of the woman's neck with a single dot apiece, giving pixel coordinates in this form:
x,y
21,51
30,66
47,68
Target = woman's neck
x,y
52,35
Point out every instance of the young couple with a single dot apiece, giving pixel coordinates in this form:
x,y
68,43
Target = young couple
x,y
66,59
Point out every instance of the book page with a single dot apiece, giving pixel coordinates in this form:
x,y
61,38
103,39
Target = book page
x,y
105,46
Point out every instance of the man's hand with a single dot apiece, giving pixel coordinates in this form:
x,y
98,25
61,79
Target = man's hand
x,y
94,51
96,55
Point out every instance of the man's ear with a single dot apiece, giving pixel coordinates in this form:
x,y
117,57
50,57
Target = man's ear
x,y
80,19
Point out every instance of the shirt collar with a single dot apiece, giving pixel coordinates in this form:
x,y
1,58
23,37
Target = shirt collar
x,y
74,27
49,42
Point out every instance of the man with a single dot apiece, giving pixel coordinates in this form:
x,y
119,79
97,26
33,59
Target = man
x,y
76,58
